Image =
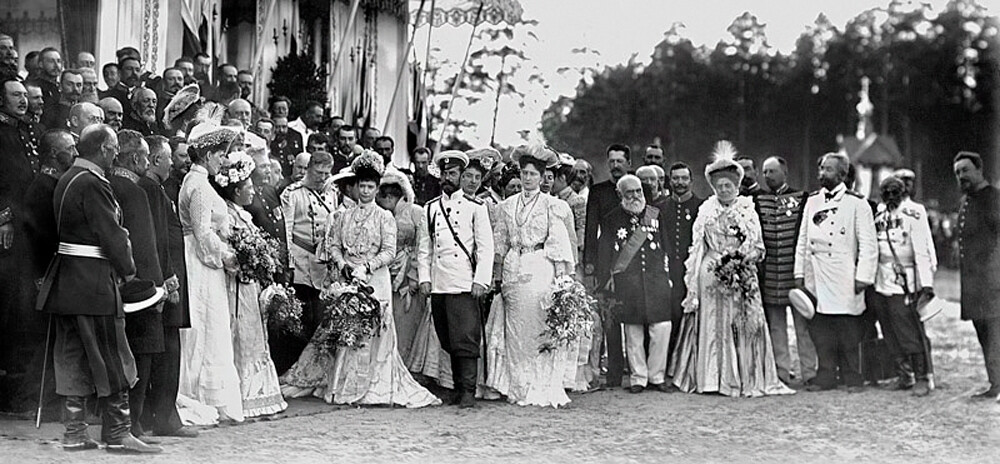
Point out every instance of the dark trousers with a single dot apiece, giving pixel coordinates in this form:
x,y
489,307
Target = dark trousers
x,y
285,348
988,331
161,412
837,339
613,343
312,309
901,327
676,314
91,354
138,394
458,323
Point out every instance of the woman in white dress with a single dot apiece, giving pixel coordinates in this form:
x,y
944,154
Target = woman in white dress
x,y
258,376
208,373
533,248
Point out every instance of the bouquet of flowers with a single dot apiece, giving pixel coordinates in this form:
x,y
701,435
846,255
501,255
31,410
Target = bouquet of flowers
x,y
570,315
283,309
257,256
353,315
736,273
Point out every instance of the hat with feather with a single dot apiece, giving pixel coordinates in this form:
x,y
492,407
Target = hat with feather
x,y
395,176
724,164
181,101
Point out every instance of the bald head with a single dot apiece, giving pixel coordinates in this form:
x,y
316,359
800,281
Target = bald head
x,y
240,110
300,165
112,112
628,183
98,144
85,60
84,114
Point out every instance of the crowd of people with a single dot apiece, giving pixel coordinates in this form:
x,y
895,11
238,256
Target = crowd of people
x,y
117,207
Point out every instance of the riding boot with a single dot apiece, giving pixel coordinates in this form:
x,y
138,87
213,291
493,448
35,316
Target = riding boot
x,y
904,372
75,418
922,386
468,388
456,378
115,417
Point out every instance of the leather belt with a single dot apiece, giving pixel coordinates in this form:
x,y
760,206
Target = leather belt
x,y
529,249
81,251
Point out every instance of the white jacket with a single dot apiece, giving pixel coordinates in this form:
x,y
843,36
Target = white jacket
x,y
836,247
910,233
440,260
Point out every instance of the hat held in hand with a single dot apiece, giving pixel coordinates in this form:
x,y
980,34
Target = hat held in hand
x,y
803,301
138,294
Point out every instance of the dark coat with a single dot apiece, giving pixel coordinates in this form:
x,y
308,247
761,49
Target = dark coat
x,y
40,223
56,116
144,329
131,122
644,288
979,246
680,220
286,148
265,210
90,216
18,162
170,249
603,197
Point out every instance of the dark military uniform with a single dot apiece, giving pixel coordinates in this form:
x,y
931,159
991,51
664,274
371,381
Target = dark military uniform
x,y
601,199
979,245
681,213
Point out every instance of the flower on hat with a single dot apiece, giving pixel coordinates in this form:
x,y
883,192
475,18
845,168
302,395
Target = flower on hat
x,y
238,169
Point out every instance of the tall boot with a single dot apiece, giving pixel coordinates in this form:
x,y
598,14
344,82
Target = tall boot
x,y
75,419
922,386
468,375
904,373
456,378
117,425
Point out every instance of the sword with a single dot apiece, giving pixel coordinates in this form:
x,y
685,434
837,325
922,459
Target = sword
x,y
45,366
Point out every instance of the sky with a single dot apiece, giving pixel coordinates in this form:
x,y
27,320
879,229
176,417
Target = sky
x,y
619,29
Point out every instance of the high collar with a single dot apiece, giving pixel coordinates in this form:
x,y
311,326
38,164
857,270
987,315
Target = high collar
x,y
683,198
781,190
455,195
122,172
89,165
198,169
836,192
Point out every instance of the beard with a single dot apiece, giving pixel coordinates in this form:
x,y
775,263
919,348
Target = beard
x,y
829,183
148,116
635,206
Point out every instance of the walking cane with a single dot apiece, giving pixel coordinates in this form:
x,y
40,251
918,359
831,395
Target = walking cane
x,y
482,333
45,366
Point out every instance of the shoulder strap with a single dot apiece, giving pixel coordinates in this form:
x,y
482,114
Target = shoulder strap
x,y
63,199
454,234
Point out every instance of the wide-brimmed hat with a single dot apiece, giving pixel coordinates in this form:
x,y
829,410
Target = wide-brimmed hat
x,y
138,294
488,157
180,102
724,163
803,301
345,173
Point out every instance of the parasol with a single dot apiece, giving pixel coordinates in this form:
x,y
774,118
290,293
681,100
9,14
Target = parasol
x,y
457,13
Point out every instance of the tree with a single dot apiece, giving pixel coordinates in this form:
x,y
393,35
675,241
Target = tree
x,y
300,79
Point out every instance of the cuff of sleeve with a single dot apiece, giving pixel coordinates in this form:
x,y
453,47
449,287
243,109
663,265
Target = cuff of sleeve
x,y
6,216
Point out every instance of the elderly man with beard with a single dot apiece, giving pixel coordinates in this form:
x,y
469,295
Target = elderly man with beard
x,y
905,276
70,88
584,175
651,186
780,211
603,198
83,115
979,251
632,256
89,92
681,209
113,112
835,260
142,114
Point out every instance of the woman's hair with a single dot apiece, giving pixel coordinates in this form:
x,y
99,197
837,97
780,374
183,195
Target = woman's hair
x,y
729,172
228,192
509,173
200,153
531,160
367,174
390,191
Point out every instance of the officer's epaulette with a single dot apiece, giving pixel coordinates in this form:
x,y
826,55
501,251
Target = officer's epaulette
x,y
910,212
855,194
294,186
474,200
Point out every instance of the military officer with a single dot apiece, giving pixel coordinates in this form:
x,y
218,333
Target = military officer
x,y
632,261
307,204
905,270
681,209
835,260
455,267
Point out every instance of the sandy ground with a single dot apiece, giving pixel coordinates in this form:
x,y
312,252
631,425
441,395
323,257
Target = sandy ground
x,y
609,426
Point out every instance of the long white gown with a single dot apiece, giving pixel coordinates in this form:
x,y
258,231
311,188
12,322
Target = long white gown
x,y
533,238
208,373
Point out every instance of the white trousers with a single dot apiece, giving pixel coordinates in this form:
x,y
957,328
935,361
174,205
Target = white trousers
x,y
648,367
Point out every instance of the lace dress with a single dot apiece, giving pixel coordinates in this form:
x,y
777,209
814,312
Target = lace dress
x,y
532,236
407,306
725,346
258,376
208,373
374,373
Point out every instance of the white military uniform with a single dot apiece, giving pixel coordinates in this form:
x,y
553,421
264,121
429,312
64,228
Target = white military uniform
x,y
441,261
909,204
306,215
908,230
836,247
